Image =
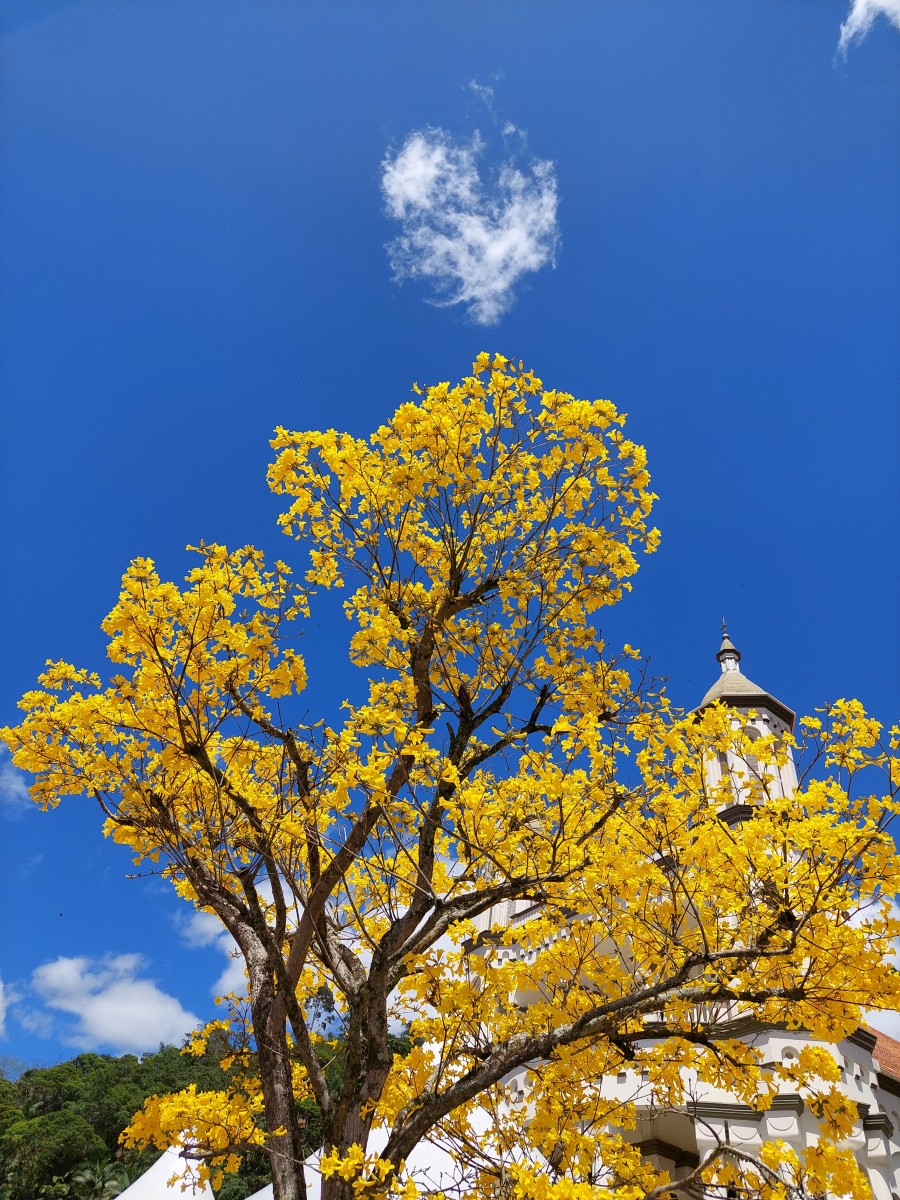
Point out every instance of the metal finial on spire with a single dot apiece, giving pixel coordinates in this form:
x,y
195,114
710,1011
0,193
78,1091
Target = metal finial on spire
x,y
724,627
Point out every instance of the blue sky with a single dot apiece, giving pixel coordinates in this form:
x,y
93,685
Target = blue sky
x,y
205,212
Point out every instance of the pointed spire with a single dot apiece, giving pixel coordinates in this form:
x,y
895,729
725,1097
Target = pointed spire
x,y
736,690
729,655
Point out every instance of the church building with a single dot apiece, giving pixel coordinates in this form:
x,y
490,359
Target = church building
x,y
678,1140
869,1061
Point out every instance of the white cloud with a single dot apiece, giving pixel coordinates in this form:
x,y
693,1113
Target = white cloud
x,y
861,18
204,929
4,1005
36,1020
471,234
114,1006
14,797
884,1020
233,979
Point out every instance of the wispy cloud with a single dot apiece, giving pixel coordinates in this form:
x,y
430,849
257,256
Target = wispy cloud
x,y
113,1005
14,797
471,226
484,93
4,1005
861,18
204,929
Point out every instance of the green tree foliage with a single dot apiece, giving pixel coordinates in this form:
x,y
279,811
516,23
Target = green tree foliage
x,y
60,1125
99,1180
38,1148
82,1106
10,1104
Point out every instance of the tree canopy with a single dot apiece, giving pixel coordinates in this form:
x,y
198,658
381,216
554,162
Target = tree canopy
x,y
503,759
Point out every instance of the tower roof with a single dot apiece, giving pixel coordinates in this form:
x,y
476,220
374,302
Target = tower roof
x,y
736,690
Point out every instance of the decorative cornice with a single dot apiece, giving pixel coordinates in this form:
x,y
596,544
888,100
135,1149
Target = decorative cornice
x,y
713,1111
676,1154
725,1112
863,1038
734,814
760,702
877,1123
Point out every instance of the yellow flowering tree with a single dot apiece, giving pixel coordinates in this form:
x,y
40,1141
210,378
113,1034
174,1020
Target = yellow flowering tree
x,y
500,759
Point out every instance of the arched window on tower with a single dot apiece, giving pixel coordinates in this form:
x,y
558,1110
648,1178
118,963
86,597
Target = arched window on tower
x,y
724,769
754,771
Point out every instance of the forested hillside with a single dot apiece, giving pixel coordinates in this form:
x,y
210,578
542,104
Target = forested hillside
x,y
60,1125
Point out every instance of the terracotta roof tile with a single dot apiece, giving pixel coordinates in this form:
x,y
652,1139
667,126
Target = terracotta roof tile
x,y
887,1053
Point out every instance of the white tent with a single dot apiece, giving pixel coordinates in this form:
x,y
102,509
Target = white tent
x,y
154,1183
266,1193
430,1166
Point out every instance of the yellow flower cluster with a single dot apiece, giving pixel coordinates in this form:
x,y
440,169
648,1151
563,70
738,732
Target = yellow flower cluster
x,y
216,1125
497,753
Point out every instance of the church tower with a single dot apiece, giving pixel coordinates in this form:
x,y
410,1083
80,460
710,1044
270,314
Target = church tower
x,y
756,713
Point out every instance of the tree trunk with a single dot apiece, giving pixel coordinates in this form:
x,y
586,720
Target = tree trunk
x,y
367,1065
354,1131
285,1149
